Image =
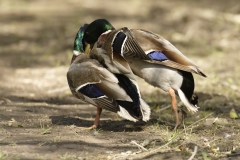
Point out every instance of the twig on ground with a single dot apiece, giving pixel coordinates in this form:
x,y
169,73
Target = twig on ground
x,y
134,142
166,144
194,153
164,108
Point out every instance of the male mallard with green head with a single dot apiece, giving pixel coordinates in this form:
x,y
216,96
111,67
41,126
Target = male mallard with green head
x,y
91,82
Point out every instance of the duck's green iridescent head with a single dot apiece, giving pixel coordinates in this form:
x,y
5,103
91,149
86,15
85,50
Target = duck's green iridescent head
x,y
95,29
79,44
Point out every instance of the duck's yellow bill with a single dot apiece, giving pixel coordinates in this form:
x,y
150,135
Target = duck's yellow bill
x,y
87,48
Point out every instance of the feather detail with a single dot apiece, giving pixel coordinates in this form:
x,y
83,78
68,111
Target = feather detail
x,y
106,75
197,70
113,66
91,91
83,85
125,114
145,110
189,106
83,98
150,42
119,43
156,55
131,47
107,103
174,65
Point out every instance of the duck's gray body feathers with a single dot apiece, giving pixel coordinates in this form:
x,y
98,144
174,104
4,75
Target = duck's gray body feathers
x,y
162,77
156,75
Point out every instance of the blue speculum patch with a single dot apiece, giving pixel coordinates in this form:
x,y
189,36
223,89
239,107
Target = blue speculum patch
x,y
91,91
159,56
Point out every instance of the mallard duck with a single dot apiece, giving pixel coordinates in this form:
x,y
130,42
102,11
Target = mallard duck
x,y
93,83
150,57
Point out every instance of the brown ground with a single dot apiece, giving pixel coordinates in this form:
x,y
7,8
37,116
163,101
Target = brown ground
x,y
39,118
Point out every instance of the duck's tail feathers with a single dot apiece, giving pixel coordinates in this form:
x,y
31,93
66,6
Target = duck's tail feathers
x,y
194,99
145,110
191,108
125,114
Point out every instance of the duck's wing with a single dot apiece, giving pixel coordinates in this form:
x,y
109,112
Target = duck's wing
x,y
178,66
123,43
96,84
121,69
151,42
138,43
82,83
116,44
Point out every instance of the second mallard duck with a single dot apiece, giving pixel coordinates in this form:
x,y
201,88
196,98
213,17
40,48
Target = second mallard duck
x,y
151,57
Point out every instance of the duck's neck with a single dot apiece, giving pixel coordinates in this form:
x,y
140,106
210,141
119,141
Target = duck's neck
x,y
76,53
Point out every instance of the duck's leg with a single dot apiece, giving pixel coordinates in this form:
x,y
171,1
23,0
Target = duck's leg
x,y
174,107
97,118
96,121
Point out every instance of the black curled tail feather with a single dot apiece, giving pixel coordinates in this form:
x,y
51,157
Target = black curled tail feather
x,y
130,109
188,87
132,91
194,99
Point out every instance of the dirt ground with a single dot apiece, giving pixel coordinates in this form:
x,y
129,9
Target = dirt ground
x,y
40,119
